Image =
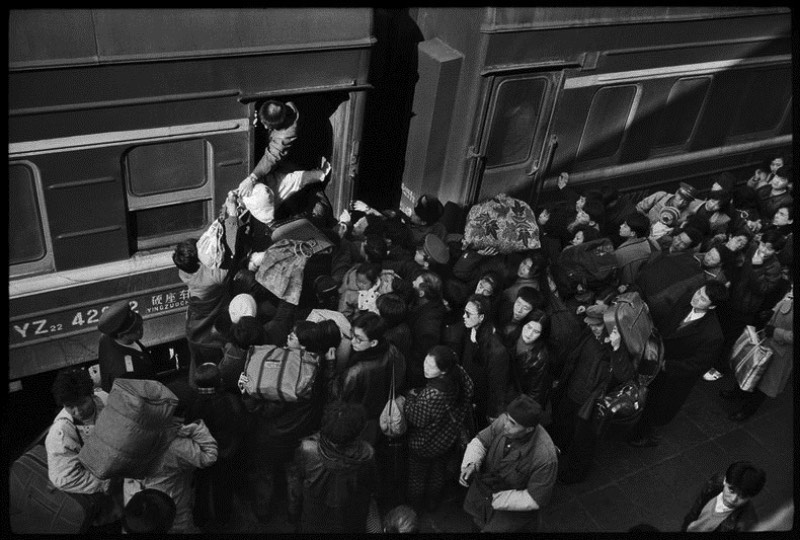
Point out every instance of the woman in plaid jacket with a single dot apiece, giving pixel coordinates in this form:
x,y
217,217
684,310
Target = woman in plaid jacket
x,y
435,415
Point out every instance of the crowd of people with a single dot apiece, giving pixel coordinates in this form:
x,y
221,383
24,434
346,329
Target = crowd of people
x,y
481,347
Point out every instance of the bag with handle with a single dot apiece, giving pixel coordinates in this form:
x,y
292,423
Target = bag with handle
x,y
279,373
211,247
392,420
750,358
36,506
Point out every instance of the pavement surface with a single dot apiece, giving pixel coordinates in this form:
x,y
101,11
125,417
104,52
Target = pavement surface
x,y
628,486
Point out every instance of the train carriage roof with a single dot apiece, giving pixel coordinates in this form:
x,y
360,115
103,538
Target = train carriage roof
x,y
53,38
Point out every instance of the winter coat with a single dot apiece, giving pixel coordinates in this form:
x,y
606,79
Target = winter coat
x,y
754,282
781,343
652,205
330,486
768,204
741,519
63,444
400,336
631,255
280,140
368,379
436,414
586,371
689,351
425,321
530,372
487,364
115,357
194,447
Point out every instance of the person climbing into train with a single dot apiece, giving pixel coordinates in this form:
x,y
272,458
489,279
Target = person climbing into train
x,y
281,122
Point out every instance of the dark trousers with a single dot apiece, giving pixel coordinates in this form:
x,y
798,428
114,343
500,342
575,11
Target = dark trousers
x,y
576,439
426,477
751,401
666,395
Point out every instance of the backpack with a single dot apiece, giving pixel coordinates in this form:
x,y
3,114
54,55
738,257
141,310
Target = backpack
x,y
279,373
640,335
591,264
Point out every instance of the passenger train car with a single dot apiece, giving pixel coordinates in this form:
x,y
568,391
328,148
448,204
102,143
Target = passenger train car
x,y
128,127
632,97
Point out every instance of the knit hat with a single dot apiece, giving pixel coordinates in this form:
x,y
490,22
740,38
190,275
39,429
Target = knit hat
x,y
241,305
149,511
594,314
687,191
436,249
117,319
260,203
525,411
672,213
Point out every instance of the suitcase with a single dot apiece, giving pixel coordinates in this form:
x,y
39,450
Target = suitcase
x,y
750,358
36,506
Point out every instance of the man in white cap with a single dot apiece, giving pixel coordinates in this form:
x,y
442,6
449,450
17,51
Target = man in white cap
x,y
510,468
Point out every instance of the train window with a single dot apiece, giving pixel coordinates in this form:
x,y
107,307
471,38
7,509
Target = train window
x,y
169,187
606,122
157,226
764,102
679,116
24,221
167,167
28,240
514,122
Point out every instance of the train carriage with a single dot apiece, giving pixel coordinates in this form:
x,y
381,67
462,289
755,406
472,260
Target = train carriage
x,y
126,130
637,98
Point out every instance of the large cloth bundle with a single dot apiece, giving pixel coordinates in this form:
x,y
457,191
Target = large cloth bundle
x,y
211,245
279,373
504,223
36,506
749,358
132,431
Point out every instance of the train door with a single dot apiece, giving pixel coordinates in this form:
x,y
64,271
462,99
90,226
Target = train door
x,y
515,148
325,129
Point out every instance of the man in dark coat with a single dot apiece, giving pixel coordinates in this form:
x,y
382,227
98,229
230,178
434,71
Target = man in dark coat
x,y
692,339
725,502
425,319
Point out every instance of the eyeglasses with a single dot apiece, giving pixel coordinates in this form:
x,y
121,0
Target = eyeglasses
x,y
356,337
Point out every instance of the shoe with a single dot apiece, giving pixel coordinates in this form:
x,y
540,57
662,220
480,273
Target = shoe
x,y
740,416
729,394
712,375
643,442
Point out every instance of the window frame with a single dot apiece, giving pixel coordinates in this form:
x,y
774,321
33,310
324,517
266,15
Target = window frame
x,y
47,262
771,132
660,151
613,159
528,78
137,203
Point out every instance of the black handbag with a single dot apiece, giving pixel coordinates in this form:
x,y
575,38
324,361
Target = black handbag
x,y
622,406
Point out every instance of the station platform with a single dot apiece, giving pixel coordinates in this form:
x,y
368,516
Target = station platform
x,y
629,486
